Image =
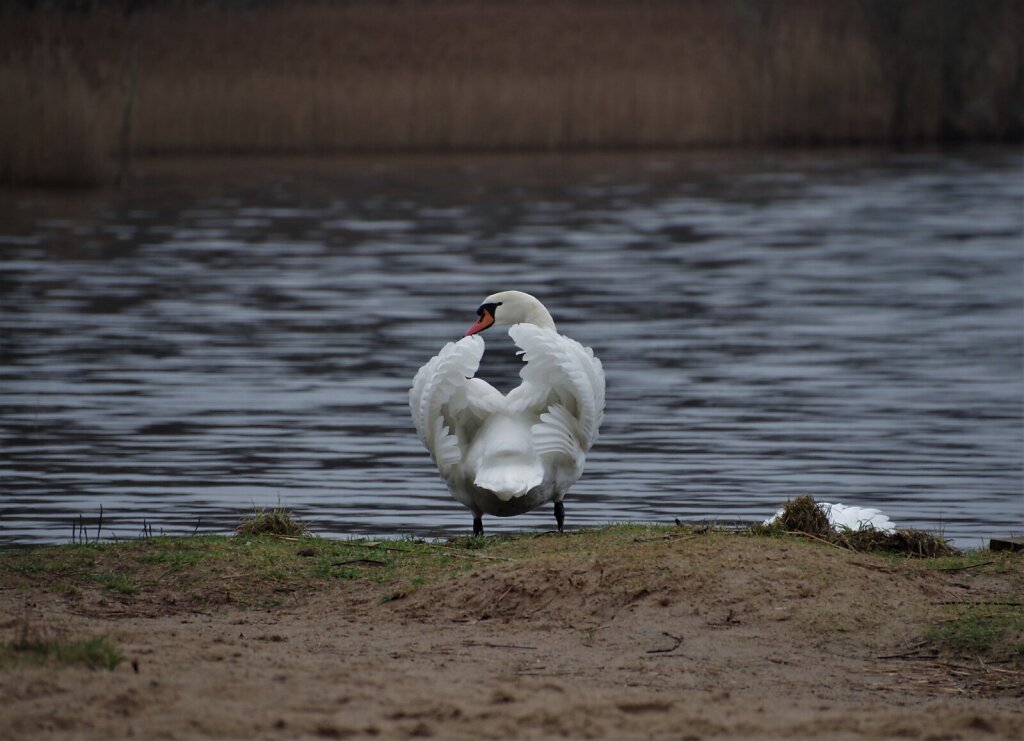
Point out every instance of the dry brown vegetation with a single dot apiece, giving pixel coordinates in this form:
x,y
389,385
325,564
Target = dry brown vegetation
x,y
77,89
803,516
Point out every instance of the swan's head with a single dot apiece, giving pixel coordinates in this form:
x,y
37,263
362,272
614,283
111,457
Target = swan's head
x,y
510,307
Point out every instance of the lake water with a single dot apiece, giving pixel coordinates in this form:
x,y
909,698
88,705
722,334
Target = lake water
x,y
846,325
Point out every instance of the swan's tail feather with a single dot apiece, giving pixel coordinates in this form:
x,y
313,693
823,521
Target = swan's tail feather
x,y
510,477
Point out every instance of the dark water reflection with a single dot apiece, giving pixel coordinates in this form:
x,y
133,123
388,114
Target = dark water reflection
x,y
848,326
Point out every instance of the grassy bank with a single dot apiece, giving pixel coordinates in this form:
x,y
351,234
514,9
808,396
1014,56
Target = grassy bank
x,y
82,91
832,591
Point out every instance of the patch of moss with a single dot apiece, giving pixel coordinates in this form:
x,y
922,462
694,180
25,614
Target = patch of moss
x,y
991,562
94,653
991,632
174,558
66,559
115,582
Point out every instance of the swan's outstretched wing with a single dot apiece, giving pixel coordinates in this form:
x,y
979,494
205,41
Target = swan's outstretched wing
x,y
566,378
445,398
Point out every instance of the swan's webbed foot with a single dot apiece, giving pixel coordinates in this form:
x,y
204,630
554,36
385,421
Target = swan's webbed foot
x,y
478,526
560,515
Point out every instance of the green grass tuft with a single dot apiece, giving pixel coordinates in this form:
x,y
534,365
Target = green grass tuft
x,y
120,583
990,632
94,653
276,521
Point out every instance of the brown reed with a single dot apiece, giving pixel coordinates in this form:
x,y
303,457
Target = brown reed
x,y
451,75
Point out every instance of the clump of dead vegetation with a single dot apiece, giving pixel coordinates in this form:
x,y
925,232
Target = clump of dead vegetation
x,y
277,521
804,516
917,543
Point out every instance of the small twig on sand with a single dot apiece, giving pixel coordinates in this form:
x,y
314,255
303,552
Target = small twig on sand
x,y
229,577
873,567
990,668
815,537
910,656
673,647
364,544
446,548
475,556
502,645
538,609
368,561
546,674
667,538
547,533
730,619
977,604
969,566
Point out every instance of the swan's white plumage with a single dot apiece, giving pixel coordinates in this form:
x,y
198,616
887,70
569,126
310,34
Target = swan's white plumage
x,y
850,517
439,389
506,454
562,367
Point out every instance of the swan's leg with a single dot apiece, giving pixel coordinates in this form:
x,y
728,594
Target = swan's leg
x,y
478,525
560,515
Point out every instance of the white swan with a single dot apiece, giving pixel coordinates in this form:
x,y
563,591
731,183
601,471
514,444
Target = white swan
x,y
507,454
850,517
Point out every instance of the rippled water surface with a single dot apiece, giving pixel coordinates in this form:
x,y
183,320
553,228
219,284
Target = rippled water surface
x,y
843,325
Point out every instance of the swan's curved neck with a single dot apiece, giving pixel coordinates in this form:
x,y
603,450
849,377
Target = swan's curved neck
x,y
538,315
516,307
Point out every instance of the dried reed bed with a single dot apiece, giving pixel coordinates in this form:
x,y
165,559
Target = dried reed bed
x,y
52,130
317,78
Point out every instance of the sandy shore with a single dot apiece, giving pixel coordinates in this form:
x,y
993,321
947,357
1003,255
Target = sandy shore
x,y
632,635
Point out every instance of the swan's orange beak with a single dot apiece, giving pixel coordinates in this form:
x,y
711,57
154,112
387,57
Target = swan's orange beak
x,y
486,319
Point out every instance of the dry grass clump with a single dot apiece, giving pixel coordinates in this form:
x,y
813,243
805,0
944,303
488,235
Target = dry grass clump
x,y
805,516
272,522
916,543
